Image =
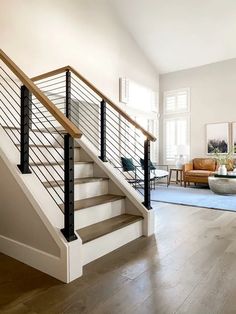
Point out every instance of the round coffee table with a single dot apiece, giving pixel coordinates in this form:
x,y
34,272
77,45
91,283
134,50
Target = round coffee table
x,y
222,184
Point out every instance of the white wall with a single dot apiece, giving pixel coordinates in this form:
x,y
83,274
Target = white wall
x,y
43,35
213,97
19,221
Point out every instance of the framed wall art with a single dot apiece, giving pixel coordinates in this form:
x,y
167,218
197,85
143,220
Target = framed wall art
x,y
233,137
217,137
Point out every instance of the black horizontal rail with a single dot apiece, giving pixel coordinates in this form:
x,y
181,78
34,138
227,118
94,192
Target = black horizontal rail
x,y
38,138
92,106
87,90
34,163
27,122
38,83
112,135
118,137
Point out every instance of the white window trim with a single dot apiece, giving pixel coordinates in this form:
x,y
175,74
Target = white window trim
x,y
169,93
174,117
155,120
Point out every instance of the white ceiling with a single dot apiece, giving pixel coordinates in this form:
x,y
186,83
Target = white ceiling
x,y
180,34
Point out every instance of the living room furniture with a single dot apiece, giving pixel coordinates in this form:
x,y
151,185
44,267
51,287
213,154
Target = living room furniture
x,y
134,174
199,170
222,184
158,173
161,174
178,175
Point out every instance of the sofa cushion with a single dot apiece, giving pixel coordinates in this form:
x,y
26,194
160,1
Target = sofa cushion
x,y
208,164
198,173
130,175
230,165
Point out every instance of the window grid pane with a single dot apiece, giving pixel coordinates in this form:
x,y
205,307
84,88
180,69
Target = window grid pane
x,y
176,101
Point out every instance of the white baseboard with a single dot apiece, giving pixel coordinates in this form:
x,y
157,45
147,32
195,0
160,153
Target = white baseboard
x,y
47,263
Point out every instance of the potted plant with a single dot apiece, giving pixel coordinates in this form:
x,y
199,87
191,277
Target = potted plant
x,y
225,161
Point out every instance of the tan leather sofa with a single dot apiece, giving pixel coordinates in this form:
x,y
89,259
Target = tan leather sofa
x,y
199,170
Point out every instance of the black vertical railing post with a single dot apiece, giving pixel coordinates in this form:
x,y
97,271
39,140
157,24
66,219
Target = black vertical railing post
x,y
68,94
147,184
69,231
25,114
103,132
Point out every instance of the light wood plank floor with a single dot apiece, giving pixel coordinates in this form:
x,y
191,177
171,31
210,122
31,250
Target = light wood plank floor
x,y
189,266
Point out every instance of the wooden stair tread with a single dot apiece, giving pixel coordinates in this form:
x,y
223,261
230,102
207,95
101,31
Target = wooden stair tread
x,y
97,200
102,228
76,181
58,163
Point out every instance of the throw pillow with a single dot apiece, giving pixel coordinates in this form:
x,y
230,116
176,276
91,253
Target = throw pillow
x,y
152,167
127,164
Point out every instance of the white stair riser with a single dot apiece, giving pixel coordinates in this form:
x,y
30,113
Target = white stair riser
x,y
92,215
110,242
50,154
56,172
84,190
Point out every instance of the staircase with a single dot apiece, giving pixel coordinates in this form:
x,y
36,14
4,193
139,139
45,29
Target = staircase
x,y
71,148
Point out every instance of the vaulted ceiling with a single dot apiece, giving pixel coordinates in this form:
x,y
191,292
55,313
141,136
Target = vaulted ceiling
x,y
180,34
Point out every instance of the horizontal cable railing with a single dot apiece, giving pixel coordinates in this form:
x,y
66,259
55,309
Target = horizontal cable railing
x,y
42,133
109,129
55,89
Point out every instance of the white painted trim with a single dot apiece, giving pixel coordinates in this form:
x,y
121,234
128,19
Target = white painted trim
x,y
174,92
175,117
110,242
123,185
94,214
49,264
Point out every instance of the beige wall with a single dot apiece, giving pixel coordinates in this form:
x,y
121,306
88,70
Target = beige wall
x,y
46,34
19,220
213,97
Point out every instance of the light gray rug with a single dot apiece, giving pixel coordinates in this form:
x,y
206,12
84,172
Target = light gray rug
x,y
193,196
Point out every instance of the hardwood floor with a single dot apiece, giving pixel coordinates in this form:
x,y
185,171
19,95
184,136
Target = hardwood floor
x,y
189,266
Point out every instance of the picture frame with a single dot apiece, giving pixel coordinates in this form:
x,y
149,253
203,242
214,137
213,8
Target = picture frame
x,y
218,137
233,131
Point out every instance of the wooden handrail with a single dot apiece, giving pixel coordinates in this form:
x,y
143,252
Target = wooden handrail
x,y
114,106
55,112
50,73
98,92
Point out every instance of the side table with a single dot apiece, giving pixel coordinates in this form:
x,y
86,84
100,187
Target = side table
x,y
179,175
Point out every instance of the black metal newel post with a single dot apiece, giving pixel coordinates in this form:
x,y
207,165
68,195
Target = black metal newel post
x,y
68,94
103,132
25,113
68,231
147,184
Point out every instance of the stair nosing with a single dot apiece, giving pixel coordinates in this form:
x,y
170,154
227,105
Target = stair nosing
x,y
60,182
105,232
113,198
